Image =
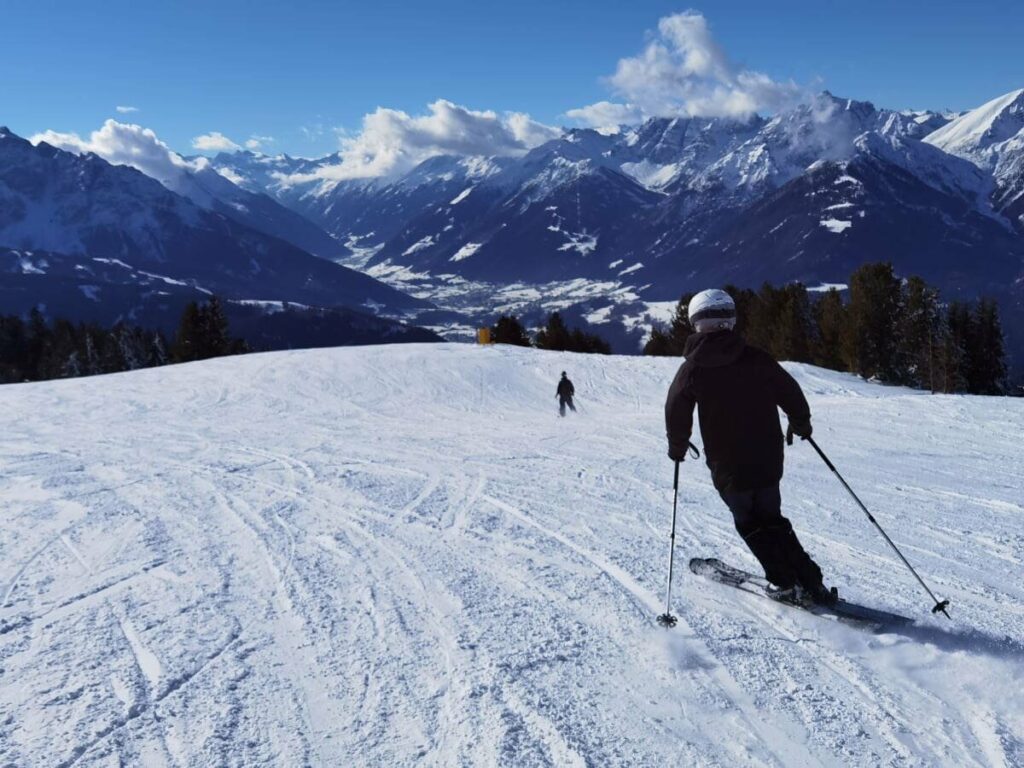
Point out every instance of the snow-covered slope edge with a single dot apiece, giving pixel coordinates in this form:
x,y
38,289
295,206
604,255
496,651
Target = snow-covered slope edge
x,y
401,556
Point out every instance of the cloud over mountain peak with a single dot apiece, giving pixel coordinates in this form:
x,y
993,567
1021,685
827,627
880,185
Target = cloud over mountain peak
x,y
683,71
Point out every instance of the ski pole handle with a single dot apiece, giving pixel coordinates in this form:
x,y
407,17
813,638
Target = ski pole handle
x,y
675,481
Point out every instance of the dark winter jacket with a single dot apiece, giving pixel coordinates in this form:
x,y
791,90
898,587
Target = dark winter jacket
x,y
737,390
565,389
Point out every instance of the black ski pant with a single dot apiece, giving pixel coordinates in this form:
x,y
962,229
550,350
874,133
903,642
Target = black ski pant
x,y
564,401
770,536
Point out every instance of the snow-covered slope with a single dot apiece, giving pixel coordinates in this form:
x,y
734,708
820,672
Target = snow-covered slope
x,y
401,556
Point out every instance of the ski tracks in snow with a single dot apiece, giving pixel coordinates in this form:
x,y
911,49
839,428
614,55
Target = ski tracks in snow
x,y
354,566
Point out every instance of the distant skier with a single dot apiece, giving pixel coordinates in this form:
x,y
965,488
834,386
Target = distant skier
x,y
565,393
738,390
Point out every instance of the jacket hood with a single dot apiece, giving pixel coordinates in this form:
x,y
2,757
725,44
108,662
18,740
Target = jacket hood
x,y
714,349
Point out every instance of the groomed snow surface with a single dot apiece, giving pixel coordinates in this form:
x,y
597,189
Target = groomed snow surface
x,y
390,556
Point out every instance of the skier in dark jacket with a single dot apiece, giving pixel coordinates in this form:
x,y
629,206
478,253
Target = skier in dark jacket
x,y
738,390
564,393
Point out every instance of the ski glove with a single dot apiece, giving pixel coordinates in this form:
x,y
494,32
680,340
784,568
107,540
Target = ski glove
x,y
678,455
799,427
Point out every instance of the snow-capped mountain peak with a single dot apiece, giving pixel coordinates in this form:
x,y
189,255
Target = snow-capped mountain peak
x,y
982,134
992,137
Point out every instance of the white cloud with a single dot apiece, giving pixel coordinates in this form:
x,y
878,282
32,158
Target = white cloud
x,y
607,116
215,141
682,71
127,144
126,110
255,143
529,132
392,142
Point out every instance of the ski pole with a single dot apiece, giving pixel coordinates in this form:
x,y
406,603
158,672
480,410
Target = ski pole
x,y
666,619
940,605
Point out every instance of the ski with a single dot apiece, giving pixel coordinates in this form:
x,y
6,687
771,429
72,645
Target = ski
x,y
845,611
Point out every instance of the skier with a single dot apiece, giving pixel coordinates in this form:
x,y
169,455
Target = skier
x,y
565,393
738,389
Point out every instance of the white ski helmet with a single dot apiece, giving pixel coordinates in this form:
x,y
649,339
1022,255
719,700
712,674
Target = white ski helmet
x,y
712,310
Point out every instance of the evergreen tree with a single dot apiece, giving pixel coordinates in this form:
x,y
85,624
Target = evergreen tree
x,y
36,350
762,317
238,346
554,335
891,330
123,350
204,333
156,350
793,330
957,342
90,346
917,339
129,348
189,343
216,336
830,321
747,307
13,350
658,344
680,328
778,320
988,352
38,340
672,342
62,357
588,342
508,330
871,331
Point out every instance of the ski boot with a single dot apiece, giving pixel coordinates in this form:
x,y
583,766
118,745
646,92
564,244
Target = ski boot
x,y
822,595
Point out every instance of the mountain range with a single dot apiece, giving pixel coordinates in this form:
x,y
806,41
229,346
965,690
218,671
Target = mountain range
x,y
609,227
613,227
85,239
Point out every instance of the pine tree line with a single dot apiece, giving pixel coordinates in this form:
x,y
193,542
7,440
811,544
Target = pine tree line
x,y
204,332
35,350
891,330
554,335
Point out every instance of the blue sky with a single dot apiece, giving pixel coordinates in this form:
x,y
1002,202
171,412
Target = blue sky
x,y
301,71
